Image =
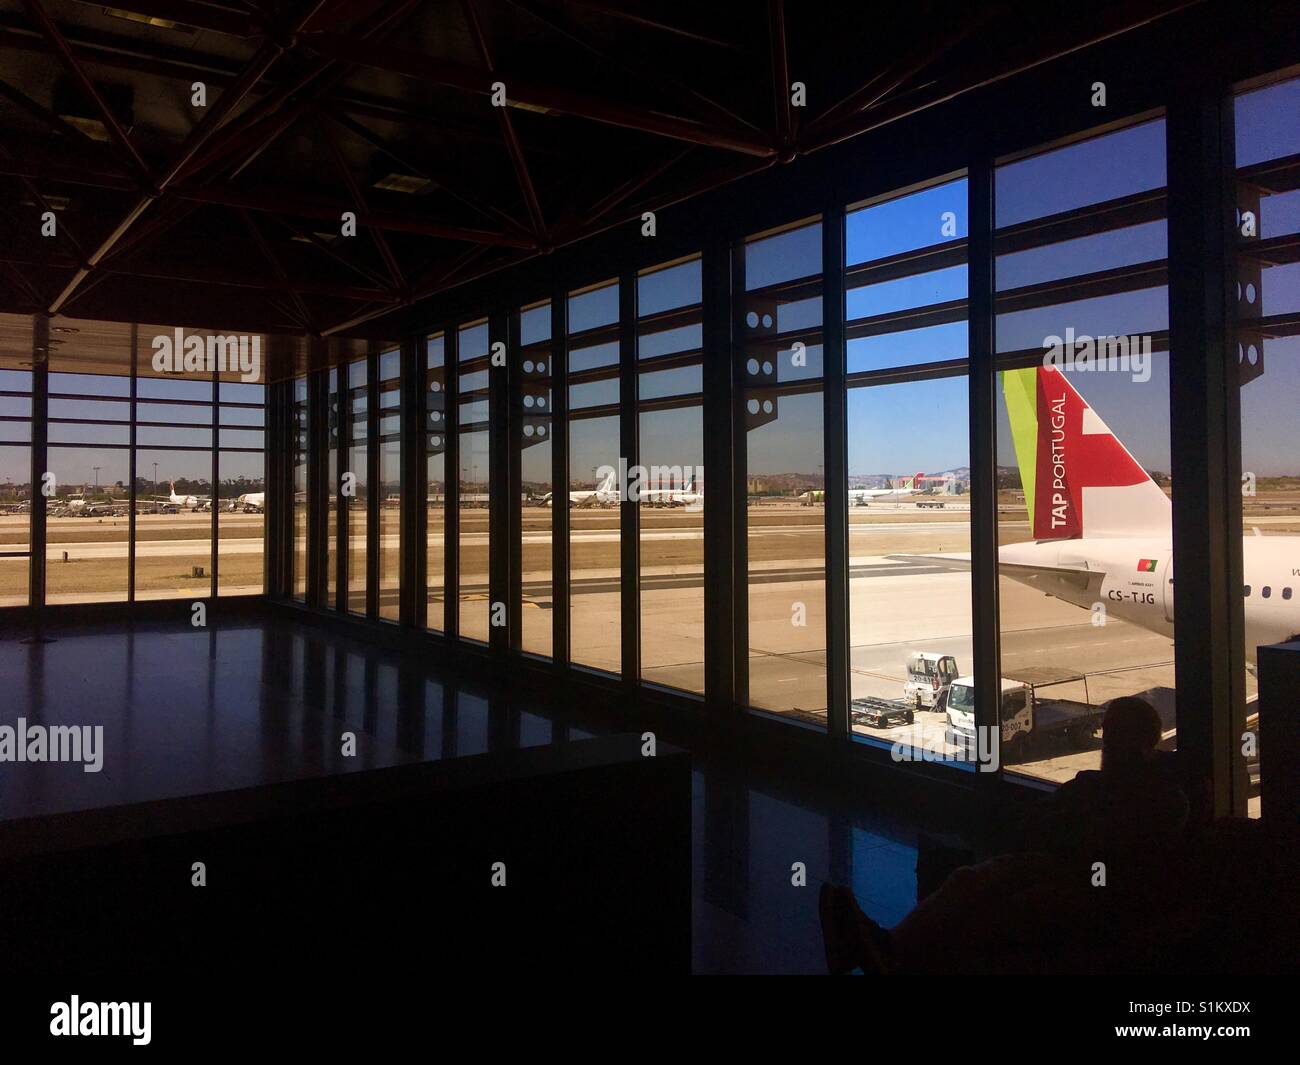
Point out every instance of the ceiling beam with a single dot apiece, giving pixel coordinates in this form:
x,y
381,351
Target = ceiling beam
x,y
277,268
362,208
780,73
187,13
307,237
265,121
442,72
883,82
624,192
120,54
330,211
522,176
130,154
697,36
211,277
57,123
437,175
993,66
453,277
260,200
625,60
207,126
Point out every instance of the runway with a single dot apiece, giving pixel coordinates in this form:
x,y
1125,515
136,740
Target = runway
x,y
896,605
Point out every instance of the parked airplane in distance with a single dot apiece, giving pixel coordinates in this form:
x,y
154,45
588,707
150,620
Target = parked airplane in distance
x,y
604,494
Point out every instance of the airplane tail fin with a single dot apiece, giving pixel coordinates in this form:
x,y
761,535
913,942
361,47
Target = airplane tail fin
x,y
1079,479
608,484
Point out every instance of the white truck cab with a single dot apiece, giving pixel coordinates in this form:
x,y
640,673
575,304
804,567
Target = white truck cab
x,y
1016,711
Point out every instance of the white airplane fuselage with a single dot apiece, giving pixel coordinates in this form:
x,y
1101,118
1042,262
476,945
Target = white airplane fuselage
x,y
1146,597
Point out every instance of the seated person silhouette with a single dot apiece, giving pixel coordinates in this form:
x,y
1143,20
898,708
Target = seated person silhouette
x,y
1036,909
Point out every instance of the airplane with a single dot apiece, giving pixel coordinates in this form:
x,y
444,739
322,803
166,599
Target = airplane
x,y
686,496
1103,529
860,497
184,502
252,502
605,494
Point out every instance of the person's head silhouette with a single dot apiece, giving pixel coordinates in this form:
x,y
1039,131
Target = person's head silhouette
x,y
1130,731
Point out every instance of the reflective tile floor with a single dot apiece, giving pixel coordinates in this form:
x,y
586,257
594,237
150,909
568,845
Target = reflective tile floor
x,y
188,711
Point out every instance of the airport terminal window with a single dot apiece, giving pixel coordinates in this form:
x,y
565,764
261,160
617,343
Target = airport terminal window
x,y
781,404
390,483
355,492
473,427
594,451
300,456
1268,354
15,485
88,529
908,466
173,530
333,430
670,409
241,487
1084,512
533,360
435,479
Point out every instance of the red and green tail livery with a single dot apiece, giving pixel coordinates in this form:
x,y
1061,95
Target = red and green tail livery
x,y
1079,480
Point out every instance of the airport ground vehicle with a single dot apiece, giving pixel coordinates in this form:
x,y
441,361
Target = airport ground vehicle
x,y
930,503
1029,712
880,713
928,676
928,673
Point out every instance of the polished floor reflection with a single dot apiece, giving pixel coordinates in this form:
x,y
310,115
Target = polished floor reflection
x,y
187,711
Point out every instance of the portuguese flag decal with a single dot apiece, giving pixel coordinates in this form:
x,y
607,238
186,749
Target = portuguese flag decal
x,y
1147,565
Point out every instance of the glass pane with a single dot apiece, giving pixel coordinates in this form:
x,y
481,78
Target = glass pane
x,y
1268,355
390,484
475,477
909,551
241,518
88,528
594,451
336,420
671,460
173,532
300,445
1085,526
356,478
782,400
435,444
534,443
15,523
908,473
15,487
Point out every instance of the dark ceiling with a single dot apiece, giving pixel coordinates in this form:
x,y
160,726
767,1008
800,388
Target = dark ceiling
x,y
228,215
